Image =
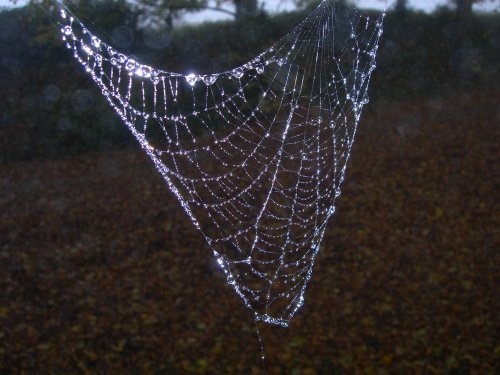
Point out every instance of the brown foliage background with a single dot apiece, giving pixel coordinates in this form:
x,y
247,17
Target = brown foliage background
x,y
101,272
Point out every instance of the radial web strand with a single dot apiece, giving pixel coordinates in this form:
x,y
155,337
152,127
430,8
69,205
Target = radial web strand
x,y
255,155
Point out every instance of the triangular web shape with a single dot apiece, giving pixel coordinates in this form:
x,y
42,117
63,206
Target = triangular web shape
x,y
255,155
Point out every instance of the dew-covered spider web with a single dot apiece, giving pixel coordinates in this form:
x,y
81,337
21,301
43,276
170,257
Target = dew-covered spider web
x,y
255,155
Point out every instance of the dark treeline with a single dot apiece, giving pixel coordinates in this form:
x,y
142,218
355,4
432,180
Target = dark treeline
x,y
48,108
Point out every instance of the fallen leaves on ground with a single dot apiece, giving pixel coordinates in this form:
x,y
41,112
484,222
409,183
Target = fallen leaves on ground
x,y
101,272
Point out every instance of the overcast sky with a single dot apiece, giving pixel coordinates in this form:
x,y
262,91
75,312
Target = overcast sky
x,y
276,5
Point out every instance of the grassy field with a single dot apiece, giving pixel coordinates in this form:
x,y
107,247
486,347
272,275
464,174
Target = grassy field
x,y
102,273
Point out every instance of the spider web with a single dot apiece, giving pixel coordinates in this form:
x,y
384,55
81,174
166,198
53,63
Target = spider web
x,y
255,155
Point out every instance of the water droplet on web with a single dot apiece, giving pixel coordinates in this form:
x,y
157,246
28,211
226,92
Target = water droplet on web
x,y
208,80
146,71
238,73
231,280
67,30
96,42
63,13
365,99
191,79
260,69
139,72
130,65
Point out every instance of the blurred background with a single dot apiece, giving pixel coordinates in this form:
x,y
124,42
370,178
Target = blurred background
x,y
102,273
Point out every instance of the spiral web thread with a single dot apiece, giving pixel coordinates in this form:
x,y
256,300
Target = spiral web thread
x,y
255,155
